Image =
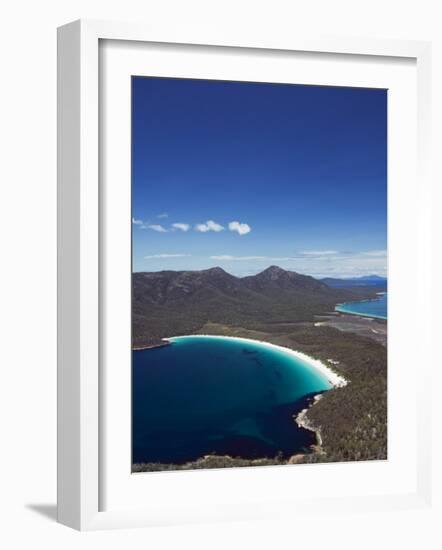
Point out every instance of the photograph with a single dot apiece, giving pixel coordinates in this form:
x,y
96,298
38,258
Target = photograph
x,y
259,274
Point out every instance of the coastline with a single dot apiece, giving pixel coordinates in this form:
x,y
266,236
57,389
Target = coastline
x,y
225,460
229,461
336,380
303,421
327,420
339,307
152,346
366,315
300,418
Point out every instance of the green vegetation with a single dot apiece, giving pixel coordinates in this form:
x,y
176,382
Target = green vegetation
x,y
171,303
352,421
209,461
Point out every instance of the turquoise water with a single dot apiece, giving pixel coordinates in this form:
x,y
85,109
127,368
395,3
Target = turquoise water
x,y
204,395
368,308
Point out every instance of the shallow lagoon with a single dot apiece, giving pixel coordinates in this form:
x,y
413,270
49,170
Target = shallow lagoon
x,y
203,395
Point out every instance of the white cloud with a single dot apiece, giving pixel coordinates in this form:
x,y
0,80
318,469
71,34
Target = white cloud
x,y
155,256
156,227
181,226
137,222
240,228
210,225
163,215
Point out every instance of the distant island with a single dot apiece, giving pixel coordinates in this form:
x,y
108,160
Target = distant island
x,y
287,309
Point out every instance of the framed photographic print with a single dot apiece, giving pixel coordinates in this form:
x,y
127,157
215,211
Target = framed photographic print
x,y
234,219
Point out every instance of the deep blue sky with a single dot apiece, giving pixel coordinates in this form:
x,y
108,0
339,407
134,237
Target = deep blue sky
x,y
304,167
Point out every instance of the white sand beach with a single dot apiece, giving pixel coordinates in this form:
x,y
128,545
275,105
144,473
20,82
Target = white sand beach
x,y
336,380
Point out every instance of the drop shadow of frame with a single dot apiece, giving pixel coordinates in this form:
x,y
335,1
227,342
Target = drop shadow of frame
x,y
49,511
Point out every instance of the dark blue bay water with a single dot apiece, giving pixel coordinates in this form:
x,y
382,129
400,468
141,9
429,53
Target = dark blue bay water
x,y
223,395
368,308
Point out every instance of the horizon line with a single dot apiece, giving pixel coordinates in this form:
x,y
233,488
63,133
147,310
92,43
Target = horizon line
x,y
334,276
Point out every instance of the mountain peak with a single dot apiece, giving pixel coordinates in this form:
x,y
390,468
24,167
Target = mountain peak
x,y
217,271
273,270
277,277
213,294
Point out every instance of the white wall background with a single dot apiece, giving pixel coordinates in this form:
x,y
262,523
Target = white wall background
x,y
28,261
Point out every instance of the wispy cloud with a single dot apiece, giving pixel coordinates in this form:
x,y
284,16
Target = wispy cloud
x,y
162,256
181,226
163,215
375,253
240,228
228,258
210,225
319,252
137,222
155,227
323,263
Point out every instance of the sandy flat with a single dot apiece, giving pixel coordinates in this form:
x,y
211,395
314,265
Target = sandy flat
x,y
363,326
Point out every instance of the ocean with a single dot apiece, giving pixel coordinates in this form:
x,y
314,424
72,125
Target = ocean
x,y
376,308
203,395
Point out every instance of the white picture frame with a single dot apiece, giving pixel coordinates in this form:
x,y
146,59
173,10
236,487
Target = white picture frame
x,y
79,269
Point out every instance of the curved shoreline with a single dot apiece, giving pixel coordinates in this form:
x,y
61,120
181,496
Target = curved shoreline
x,y
336,380
301,417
